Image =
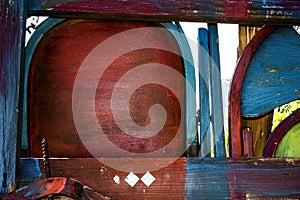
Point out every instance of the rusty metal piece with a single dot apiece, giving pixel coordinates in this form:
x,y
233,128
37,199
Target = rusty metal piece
x,y
46,162
46,157
55,186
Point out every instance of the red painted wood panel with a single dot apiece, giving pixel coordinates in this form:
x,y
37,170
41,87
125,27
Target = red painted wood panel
x,y
54,68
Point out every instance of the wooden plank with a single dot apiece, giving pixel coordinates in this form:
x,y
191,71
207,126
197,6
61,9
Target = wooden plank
x,y
272,76
204,84
217,118
11,48
245,11
189,178
236,88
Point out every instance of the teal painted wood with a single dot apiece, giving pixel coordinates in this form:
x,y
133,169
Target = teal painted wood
x,y
12,18
217,119
272,77
204,112
178,34
43,28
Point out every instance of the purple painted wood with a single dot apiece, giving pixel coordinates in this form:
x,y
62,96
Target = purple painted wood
x,y
11,47
243,11
279,132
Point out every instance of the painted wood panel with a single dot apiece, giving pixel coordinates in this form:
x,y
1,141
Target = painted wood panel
x,y
190,178
245,11
49,85
11,47
235,125
272,77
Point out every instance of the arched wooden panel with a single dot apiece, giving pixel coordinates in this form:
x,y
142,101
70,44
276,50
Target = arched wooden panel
x,y
53,70
236,90
272,77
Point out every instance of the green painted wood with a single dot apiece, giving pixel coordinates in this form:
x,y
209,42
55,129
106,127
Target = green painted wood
x,y
11,47
289,145
204,95
243,11
272,77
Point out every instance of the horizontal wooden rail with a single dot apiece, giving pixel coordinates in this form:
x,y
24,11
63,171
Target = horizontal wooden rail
x,y
227,11
186,178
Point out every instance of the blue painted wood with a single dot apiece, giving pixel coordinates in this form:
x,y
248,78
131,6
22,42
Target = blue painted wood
x,y
206,179
272,77
190,116
42,29
204,96
216,92
12,18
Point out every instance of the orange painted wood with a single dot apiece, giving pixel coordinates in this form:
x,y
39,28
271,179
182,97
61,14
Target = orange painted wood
x,y
53,70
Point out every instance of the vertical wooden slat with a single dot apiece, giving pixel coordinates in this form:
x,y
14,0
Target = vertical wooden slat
x,y
204,114
216,92
11,45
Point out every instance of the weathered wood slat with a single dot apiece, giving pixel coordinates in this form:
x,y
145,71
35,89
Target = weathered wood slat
x,y
204,95
188,178
245,11
217,118
272,77
11,48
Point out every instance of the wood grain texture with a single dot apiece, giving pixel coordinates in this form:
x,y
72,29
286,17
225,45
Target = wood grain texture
x,y
190,178
272,76
204,94
246,11
54,69
12,17
236,89
260,126
217,118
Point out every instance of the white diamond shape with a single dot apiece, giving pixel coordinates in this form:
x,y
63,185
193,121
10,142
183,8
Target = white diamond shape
x,y
148,179
132,179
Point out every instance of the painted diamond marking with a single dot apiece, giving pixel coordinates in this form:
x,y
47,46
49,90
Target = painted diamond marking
x,y
132,179
148,179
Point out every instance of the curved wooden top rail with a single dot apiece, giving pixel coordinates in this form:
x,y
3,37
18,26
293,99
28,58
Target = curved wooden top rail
x,y
280,131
